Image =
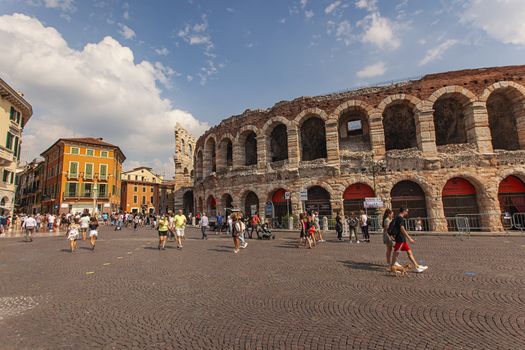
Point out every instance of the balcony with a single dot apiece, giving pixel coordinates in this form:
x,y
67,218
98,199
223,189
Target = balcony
x,y
6,156
87,177
85,195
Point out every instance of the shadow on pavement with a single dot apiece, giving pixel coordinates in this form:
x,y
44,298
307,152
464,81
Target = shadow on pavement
x,y
363,266
221,250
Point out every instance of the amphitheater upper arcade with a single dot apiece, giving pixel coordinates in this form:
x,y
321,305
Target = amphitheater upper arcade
x,y
468,124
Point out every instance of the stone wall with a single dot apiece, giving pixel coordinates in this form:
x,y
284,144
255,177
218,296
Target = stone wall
x,y
465,151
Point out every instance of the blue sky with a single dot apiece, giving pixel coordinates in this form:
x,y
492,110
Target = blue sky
x,y
212,59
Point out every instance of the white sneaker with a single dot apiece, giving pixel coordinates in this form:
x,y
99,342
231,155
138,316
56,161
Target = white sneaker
x,y
244,245
397,264
358,242
236,251
420,269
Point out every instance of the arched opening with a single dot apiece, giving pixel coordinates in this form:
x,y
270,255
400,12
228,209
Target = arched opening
x,y
250,148
313,139
399,124
354,197
319,201
354,130
182,148
410,195
186,172
511,195
226,153
190,150
504,107
187,202
251,204
278,149
460,199
200,165
211,155
449,119
4,201
227,203
211,206
282,207
191,174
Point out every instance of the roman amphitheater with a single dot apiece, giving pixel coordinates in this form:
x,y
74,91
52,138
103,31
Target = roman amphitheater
x,y
446,145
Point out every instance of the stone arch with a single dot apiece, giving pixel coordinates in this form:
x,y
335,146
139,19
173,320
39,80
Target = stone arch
x,y
211,206
210,155
225,152
409,194
187,202
460,197
313,138
199,162
511,194
247,145
453,115
319,200
249,199
276,131
505,102
182,146
354,195
399,121
185,172
353,126
281,206
307,113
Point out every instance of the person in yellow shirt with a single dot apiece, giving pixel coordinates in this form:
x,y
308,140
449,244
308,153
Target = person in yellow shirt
x,y
179,222
162,228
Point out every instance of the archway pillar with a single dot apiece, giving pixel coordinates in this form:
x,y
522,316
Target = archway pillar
x,y
261,152
436,214
294,155
238,155
337,207
377,134
490,208
477,127
425,132
332,143
520,122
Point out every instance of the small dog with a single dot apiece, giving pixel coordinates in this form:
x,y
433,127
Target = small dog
x,y
399,270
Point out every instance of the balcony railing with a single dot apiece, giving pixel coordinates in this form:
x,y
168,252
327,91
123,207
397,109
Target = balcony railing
x,y
88,177
83,195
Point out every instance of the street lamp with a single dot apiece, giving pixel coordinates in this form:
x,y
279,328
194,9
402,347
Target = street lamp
x,y
95,191
372,166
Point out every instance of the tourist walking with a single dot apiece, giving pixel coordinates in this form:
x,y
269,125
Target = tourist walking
x,y
204,225
230,225
84,225
402,238
93,231
352,222
363,222
339,227
180,225
236,231
29,225
73,234
50,222
162,229
243,232
254,224
389,242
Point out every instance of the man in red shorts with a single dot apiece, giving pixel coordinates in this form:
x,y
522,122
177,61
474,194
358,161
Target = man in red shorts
x,y
401,237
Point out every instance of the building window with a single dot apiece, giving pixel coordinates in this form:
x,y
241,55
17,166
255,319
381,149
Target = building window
x,y
151,199
9,141
113,189
12,113
143,189
102,190
73,169
15,149
135,199
74,150
71,188
88,171
103,171
143,200
151,188
5,176
104,154
90,152
135,189
87,189
18,117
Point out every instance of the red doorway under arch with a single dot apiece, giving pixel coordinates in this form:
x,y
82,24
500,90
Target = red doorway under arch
x,y
354,196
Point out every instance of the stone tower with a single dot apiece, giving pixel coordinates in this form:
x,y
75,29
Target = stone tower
x,y
183,157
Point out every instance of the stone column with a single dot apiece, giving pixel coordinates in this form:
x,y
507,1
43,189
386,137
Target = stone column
x,y
436,214
294,154
238,155
490,209
332,143
477,127
425,133
377,134
261,152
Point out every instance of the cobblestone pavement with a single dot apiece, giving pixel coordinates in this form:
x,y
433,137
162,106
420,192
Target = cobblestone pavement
x,y
127,294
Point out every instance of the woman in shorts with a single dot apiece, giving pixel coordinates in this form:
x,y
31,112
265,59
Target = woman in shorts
x,y
387,240
73,234
163,231
93,231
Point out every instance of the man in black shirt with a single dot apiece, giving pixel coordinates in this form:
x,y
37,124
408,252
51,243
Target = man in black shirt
x,y
401,237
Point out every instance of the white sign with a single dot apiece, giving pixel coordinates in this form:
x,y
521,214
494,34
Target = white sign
x,y
107,205
64,205
373,202
287,195
303,195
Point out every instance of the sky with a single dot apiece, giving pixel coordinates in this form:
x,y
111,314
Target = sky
x,y
128,71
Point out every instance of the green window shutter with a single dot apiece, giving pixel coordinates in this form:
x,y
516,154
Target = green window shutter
x,y
12,113
18,117
89,171
15,149
103,171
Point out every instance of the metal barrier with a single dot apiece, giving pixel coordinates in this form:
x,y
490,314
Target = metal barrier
x,y
518,221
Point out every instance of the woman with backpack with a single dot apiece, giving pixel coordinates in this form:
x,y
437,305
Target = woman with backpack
x,y
388,215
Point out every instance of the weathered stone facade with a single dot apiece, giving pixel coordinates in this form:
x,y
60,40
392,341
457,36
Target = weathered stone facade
x,y
456,135
183,178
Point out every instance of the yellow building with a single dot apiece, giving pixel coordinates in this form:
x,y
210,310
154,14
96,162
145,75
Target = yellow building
x,y
14,114
82,174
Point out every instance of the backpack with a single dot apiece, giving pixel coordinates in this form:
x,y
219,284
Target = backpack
x,y
352,222
391,230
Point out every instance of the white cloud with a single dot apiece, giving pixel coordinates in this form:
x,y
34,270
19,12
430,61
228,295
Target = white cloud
x,y
369,5
97,91
331,7
343,32
501,19
303,3
126,32
379,31
437,52
308,14
162,52
63,5
189,78
373,70
197,34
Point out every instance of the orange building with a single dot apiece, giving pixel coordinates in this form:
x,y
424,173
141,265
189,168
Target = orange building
x,y
80,174
141,191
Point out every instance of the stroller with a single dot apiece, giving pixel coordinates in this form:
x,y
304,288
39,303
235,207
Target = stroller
x,y
266,233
